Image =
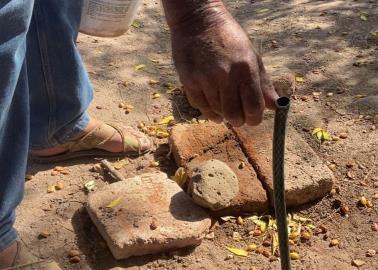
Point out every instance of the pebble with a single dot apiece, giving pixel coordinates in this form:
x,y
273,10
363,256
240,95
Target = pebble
x,y
240,221
236,236
210,236
344,209
305,236
73,253
334,242
257,232
229,257
371,253
43,234
266,253
59,186
75,259
343,135
332,166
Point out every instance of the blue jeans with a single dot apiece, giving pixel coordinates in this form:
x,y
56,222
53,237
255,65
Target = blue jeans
x,y
44,90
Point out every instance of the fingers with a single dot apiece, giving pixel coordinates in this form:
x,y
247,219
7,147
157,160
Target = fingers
x,y
267,88
231,103
198,100
211,92
253,102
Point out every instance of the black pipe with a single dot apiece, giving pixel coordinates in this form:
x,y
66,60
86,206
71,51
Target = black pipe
x,y
279,134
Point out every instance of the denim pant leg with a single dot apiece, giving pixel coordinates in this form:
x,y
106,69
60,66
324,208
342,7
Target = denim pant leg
x,y
14,111
60,90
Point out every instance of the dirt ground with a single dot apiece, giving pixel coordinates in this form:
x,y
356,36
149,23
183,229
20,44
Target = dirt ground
x,y
330,44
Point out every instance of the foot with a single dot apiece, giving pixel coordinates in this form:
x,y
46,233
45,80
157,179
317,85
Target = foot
x,y
8,256
16,256
114,144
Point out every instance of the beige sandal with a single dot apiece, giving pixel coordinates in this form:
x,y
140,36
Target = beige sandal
x,y
26,261
134,142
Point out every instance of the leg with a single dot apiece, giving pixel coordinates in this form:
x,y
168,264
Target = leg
x,y
60,89
14,118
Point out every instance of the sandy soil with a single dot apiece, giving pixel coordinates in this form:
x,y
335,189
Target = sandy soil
x,y
328,43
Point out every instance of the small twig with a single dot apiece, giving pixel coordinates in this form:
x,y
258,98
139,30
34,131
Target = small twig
x,y
370,171
106,164
329,217
179,112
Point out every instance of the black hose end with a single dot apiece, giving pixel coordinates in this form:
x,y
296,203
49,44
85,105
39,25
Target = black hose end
x,y
282,102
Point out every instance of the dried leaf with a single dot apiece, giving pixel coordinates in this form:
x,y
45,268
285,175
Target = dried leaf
x,y
227,218
169,86
259,222
162,133
114,203
362,201
151,82
136,24
299,79
236,236
363,17
59,186
238,252
263,10
154,61
294,255
155,95
252,247
51,189
166,120
180,176
90,186
120,164
321,134
274,242
139,67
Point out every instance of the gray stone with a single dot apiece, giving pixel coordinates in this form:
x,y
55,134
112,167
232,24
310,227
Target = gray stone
x,y
153,215
213,184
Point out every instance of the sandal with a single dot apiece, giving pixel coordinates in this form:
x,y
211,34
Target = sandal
x,y
134,142
24,260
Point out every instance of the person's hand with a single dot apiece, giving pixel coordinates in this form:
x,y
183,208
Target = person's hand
x,y
222,74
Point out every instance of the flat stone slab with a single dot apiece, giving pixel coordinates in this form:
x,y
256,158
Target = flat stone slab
x,y
306,177
152,215
192,144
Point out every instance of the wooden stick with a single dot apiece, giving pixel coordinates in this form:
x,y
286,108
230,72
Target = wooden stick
x,y
106,164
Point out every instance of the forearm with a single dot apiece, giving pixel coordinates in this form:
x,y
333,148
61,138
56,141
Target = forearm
x,y
194,14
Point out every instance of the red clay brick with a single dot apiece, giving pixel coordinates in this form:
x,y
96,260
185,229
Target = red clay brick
x,y
189,140
307,178
212,141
